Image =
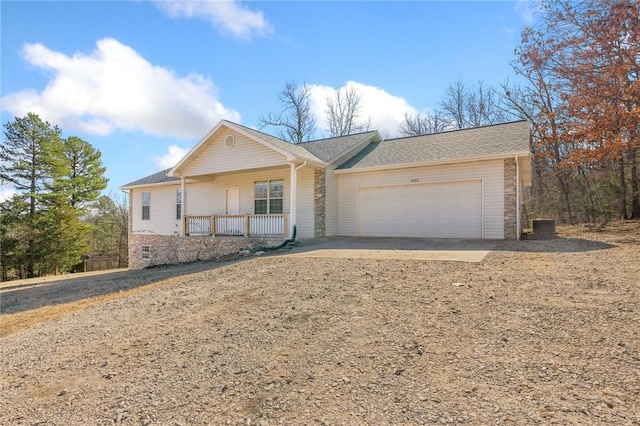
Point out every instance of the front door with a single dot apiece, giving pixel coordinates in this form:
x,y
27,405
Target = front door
x,y
232,201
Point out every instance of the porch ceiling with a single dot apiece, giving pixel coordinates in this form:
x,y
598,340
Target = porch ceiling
x,y
211,176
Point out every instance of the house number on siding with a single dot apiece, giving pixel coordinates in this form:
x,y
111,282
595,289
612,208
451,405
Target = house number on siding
x,y
414,180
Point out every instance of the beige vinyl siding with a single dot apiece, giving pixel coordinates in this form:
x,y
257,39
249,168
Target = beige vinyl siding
x,y
208,198
162,218
491,172
305,197
215,157
202,199
331,191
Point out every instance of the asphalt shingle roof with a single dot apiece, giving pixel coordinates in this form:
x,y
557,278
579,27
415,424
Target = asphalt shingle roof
x,y
478,142
332,148
160,177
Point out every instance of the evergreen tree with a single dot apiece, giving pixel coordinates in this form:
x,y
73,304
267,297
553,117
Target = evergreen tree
x,y
15,233
62,239
26,162
56,179
79,175
25,158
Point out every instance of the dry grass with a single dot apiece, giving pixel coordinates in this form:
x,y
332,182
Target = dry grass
x,y
616,227
11,323
539,332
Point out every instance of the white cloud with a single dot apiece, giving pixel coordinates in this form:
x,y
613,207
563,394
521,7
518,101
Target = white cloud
x,y
116,88
228,16
385,110
6,192
171,158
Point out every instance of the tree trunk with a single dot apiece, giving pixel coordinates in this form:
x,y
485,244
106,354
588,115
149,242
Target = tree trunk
x,y
622,204
635,191
592,208
566,200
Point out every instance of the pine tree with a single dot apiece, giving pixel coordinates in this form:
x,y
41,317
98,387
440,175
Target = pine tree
x,y
24,158
15,233
26,162
55,179
62,239
79,175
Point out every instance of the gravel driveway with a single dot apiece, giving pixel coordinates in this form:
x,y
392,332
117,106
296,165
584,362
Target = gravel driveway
x,y
539,332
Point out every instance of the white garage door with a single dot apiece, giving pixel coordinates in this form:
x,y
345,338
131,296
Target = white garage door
x,y
435,210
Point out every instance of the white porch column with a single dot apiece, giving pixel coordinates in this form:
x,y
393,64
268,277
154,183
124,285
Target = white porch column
x,y
292,198
183,210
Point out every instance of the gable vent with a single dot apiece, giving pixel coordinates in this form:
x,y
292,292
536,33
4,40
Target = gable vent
x,y
229,141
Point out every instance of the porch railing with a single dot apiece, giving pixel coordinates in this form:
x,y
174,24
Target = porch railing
x,y
237,225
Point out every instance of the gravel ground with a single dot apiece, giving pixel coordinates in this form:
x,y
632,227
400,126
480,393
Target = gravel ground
x,y
539,332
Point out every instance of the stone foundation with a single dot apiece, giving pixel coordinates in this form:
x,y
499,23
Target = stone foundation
x,y
173,249
319,204
510,201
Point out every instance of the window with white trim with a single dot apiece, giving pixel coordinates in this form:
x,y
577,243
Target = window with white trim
x,y
146,205
146,253
268,196
178,204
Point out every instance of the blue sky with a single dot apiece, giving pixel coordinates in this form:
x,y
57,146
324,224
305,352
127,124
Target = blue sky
x,y
144,81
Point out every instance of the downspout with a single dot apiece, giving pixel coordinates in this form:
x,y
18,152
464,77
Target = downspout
x,y
279,246
518,230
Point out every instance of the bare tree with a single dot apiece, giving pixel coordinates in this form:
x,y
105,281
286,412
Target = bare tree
x,y
109,219
472,106
539,100
343,113
295,121
482,107
424,124
454,104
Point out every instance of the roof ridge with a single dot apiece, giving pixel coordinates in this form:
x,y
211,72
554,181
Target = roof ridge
x,y
300,143
338,137
484,126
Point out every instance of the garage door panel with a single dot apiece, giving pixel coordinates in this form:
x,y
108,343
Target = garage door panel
x,y
436,210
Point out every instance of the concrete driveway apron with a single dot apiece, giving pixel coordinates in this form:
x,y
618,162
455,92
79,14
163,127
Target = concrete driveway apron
x,y
457,250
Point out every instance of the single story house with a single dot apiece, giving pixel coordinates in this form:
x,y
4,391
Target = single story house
x,y
240,182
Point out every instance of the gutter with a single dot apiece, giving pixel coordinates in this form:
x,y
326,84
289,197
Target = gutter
x,y
428,163
151,185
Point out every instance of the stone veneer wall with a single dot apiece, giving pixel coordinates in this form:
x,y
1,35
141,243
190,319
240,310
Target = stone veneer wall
x,y
319,202
510,201
173,249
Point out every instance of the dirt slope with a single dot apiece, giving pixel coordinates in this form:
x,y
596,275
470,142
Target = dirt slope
x,y
540,332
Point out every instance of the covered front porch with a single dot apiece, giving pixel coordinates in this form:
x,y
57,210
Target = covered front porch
x,y
245,225
240,182
265,203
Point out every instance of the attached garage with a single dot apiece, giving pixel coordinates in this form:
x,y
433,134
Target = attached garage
x,y
433,210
